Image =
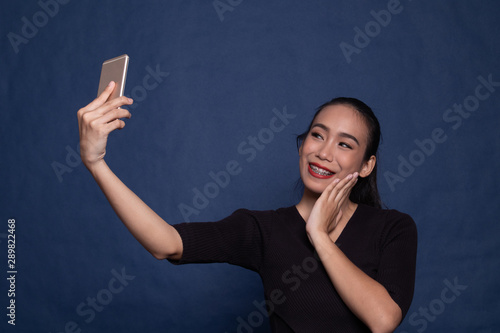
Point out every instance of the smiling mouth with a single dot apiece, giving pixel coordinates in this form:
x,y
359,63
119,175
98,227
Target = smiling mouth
x,y
320,171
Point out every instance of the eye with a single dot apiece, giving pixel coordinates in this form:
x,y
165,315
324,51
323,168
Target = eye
x,y
345,145
316,135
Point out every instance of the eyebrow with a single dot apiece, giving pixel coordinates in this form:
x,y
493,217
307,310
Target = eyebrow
x,y
341,134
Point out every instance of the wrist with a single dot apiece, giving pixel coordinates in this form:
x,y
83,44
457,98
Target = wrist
x,y
318,236
325,247
95,167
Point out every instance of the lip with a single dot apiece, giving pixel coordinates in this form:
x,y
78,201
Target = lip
x,y
318,175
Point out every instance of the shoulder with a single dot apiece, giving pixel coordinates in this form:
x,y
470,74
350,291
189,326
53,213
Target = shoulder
x,y
385,215
270,224
391,221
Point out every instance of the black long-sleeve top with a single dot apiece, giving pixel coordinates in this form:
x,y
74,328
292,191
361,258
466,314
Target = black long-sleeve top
x,y
299,293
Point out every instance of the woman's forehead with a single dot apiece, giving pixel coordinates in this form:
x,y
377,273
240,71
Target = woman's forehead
x,y
342,118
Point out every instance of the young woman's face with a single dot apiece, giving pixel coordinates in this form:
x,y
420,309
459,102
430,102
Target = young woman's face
x,y
334,147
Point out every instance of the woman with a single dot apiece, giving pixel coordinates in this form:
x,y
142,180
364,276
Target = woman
x,y
335,262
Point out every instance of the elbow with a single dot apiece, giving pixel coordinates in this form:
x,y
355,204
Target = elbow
x,y
158,255
162,255
384,328
166,246
387,323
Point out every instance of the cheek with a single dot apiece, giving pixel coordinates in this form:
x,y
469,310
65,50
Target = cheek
x,y
350,162
310,148
302,163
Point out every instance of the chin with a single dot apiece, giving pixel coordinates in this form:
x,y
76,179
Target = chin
x,y
314,188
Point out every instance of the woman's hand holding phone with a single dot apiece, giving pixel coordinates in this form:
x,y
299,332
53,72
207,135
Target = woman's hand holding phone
x,y
96,121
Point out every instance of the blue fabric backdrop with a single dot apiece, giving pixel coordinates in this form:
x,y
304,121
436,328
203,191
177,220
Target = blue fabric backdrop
x,y
228,84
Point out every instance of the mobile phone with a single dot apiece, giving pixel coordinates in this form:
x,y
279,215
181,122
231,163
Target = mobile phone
x,y
114,70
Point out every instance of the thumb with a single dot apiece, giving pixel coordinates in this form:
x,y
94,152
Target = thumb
x,y
103,97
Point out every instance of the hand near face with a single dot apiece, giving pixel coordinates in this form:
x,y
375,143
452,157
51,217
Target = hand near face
x,y
96,121
327,211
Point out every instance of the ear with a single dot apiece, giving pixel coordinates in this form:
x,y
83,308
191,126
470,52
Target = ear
x,y
367,167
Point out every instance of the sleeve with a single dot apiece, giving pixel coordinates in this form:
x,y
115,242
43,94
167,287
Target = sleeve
x,y
236,240
398,259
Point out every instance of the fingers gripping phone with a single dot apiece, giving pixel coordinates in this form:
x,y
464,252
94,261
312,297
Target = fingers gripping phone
x,y
114,70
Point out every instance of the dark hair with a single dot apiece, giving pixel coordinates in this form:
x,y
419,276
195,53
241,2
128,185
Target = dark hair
x,y
365,191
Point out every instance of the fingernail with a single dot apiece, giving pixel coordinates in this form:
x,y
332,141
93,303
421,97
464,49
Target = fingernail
x,y
349,176
130,100
356,174
110,83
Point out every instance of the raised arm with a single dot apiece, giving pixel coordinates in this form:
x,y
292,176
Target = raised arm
x,y
96,121
364,296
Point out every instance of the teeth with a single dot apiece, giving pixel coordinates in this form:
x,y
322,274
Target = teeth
x,y
320,171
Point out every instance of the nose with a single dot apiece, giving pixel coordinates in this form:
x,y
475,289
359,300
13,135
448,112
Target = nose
x,y
326,153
